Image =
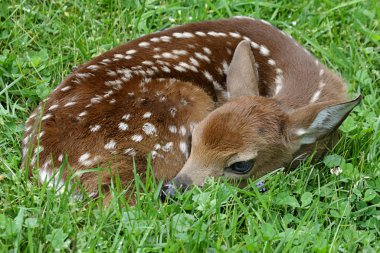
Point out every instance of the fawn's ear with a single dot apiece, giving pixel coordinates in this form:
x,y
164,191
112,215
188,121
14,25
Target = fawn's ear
x,y
313,122
242,75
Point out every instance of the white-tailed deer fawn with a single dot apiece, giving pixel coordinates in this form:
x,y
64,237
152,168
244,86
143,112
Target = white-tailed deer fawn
x,y
270,101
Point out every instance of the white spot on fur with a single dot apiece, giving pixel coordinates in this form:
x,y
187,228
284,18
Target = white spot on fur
x,y
66,88
321,72
32,115
165,69
41,134
26,139
115,83
254,45
183,149
264,50
202,57
172,129
126,116
315,96
93,67
247,38
85,161
149,129
165,38
83,75
188,66
279,84
111,73
60,158
47,116
148,63
105,61
173,111
194,61
209,77
202,34
108,93
27,129
225,67
147,115
183,35
45,176
95,128
217,34
131,51
168,55
110,145
123,126
55,106
179,52
321,84
154,154
168,147
279,71
155,39
163,63
207,50
144,44
130,151
182,130
235,34
179,68
136,137
84,157
69,104
118,56
96,99
271,62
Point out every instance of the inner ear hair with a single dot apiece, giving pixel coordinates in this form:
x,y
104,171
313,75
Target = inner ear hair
x,y
242,75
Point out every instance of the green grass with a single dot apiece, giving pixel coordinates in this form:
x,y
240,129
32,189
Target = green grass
x,y
307,210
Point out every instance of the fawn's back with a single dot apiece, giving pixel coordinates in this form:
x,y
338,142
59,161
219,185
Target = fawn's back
x,y
147,97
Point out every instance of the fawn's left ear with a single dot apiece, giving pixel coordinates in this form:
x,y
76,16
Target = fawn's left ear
x,y
242,75
313,122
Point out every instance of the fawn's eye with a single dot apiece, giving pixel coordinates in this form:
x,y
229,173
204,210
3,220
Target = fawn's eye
x,y
242,167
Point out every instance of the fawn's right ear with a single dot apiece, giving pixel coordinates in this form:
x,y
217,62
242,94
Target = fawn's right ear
x,y
242,75
313,122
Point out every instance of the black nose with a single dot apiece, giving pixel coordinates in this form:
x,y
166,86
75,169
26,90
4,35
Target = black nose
x,y
167,192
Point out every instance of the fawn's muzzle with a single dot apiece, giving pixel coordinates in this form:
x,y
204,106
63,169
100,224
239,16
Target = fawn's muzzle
x,y
167,192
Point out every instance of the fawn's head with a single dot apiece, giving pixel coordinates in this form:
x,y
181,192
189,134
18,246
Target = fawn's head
x,y
252,135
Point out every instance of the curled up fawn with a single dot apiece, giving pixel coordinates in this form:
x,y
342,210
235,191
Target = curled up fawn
x,y
235,98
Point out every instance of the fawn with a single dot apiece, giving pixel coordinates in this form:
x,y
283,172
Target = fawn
x,y
235,98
